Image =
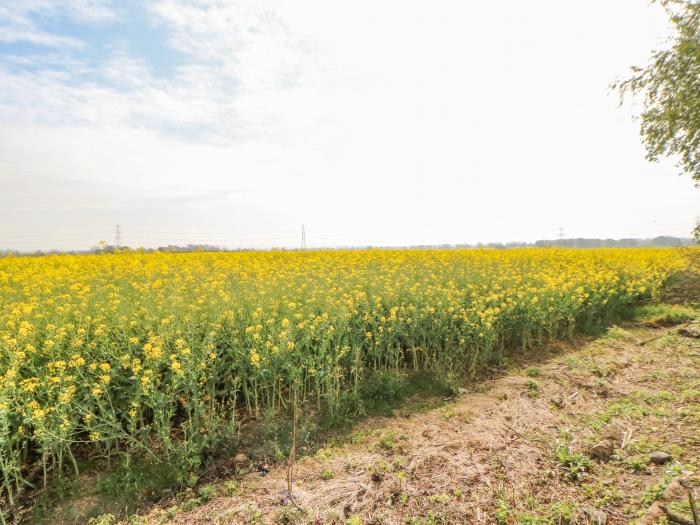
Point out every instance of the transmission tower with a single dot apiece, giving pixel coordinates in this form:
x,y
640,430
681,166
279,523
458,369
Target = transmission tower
x,y
303,237
561,234
117,236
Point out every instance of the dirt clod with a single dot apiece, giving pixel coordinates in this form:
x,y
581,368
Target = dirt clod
x,y
597,517
688,331
660,458
602,451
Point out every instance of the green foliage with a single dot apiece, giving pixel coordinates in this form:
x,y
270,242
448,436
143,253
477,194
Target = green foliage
x,y
670,89
288,515
388,440
532,388
102,519
574,464
655,492
382,390
440,498
502,512
140,480
664,314
532,371
206,492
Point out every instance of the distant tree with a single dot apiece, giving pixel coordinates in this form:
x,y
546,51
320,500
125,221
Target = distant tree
x,y
670,89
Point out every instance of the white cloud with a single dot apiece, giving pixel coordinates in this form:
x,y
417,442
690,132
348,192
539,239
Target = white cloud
x,y
231,52
396,122
18,19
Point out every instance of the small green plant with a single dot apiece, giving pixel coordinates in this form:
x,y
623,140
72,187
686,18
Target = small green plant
x,y
327,474
324,453
664,314
532,371
561,512
602,494
379,470
440,498
447,412
528,518
357,437
655,492
502,512
102,519
532,388
192,503
637,463
572,362
288,515
388,440
206,492
574,464
230,488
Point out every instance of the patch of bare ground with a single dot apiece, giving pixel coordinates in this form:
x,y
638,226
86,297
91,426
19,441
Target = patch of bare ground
x,y
569,439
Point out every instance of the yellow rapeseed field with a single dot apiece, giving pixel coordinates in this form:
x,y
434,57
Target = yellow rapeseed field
x,y
158,354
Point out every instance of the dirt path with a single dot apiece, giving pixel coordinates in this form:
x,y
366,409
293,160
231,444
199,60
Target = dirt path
x,y
516,451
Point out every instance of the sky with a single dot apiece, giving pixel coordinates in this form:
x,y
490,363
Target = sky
x,y
400,122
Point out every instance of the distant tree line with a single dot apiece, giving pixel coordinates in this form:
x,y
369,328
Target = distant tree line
x,y
663,241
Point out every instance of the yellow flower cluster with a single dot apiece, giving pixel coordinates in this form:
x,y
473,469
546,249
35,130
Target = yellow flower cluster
x,y
96,347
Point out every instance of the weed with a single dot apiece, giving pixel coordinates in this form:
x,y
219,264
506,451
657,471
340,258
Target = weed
x,y
532,388
502,512
103,519
440,498
288,515
191,504
532,371
389,439
574,464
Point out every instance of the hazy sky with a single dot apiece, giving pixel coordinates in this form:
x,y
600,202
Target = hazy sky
x,y
385,122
